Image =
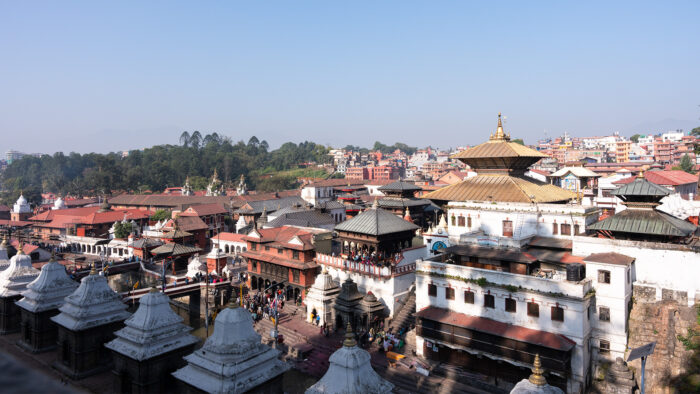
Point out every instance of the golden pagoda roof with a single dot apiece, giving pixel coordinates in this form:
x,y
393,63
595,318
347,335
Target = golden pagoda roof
x,y
498,145
503,188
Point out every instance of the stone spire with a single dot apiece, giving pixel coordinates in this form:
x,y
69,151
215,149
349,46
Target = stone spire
x,y
350,372
4,260
232,360
500,134
187,189
92,304
19,273
49,289
154,329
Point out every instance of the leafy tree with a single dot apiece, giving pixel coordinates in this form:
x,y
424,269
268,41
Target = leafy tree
x,y
122,230
695,131
160,215
686,164
196,139
635,138
518,141
185,139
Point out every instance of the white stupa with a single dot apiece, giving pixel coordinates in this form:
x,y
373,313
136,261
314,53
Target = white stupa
x,y
92,304
536,383
154,329
196,266
21,206
4,260
232,360
19,273
59,204
321,297
49,289
350,372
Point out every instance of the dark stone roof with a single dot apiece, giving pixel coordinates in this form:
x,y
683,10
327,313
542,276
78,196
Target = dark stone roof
x,y
399,186
394,202
307,218
271,205
376,221
645,221
175,249
641,187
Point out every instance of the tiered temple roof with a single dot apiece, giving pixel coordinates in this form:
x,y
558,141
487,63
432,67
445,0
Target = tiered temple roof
x,y
232,360
500,166
350,372
49,290
376,221
154,329
92,304
14,279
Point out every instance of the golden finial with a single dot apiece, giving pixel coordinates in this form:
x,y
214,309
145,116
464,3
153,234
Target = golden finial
x,y
500,135
232,303
537,377
153,290
4,240
20,248
349,337
53,256
93,270
641,174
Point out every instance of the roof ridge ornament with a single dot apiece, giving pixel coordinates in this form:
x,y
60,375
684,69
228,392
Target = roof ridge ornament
x,y
537,377
500,134
349,337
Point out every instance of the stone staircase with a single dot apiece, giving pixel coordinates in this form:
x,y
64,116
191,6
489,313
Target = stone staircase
x,y
407,315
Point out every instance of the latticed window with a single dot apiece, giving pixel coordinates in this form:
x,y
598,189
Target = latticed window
x,y
510,305
565,229
604,313
432,290
469,221
468,297
557,313
460,221
533,309
489,301
295,275
603,276
449,293
555,228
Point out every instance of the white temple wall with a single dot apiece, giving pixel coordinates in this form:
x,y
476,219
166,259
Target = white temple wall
x,y
660,265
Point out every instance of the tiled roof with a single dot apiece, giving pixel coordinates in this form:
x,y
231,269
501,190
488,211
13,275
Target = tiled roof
x,y
308,218
205,209
229,237
645,221
376,221
89,215
146,243
271,258
501,188
492,149
610,258
188,223
174,249
493,327
283,236
670,177
270,205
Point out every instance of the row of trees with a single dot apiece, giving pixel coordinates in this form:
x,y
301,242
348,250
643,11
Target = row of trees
x,y
158,167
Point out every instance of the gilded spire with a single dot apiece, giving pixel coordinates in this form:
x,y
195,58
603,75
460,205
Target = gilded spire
x,y
537,377
153,290
232,303
20,248
93,270
349,337
4,240
500,134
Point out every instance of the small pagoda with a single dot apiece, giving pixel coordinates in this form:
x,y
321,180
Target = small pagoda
x,y
233,360
150,347
13,281
642,220
88,320
350,372
319,300
346,306
41,301
371,311
400,198
536,383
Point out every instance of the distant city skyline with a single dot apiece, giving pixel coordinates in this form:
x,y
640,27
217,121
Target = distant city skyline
x,y
90,77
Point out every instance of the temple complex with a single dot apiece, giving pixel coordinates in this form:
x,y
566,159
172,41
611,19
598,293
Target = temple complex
x,y
377,252
400,197
13,281
88,320
150,347
233,360
215,187
319,300
350,372
40,302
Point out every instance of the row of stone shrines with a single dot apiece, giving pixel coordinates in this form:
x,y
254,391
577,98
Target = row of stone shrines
x,y
152,346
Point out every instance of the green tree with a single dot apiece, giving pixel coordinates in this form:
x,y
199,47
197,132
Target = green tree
x,y
122,230
518,141
635,138
160,215
695,131
185,139
686,164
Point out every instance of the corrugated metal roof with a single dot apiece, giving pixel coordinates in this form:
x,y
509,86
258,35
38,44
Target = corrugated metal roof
x,y
376,221
641,187
645,221
394,202
503,188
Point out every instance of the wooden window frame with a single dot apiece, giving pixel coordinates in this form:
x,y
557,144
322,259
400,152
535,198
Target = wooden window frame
x,y
533,309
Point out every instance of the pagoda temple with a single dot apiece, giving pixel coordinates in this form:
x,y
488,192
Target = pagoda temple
x,y
13,281
347,304
319,300
350,372
150,347
400,197
642,220
41,301
88,320
233,360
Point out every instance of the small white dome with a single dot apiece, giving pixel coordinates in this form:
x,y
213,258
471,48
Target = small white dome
x,y
21,200
59,204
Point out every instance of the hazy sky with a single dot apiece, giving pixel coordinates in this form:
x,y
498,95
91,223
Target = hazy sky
x,y
106,76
